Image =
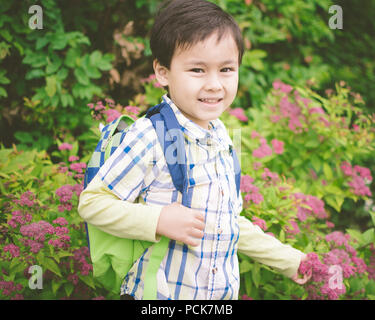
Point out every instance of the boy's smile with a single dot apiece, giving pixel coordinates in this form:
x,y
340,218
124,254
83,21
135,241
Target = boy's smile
x,y
202,79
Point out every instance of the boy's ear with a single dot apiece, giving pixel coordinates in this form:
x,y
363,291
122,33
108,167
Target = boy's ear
x,y
161,73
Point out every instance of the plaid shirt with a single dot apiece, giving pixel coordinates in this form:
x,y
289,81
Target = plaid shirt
x,y
210,270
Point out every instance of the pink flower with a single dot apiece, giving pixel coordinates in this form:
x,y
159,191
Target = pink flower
x,y
263,151
257,165
259,222
275,118
26,199
65,146
274,177
255,135
278,146
239,113
112,114
13,250
157,85
73,158
37,230
78,166
132,109
294,229
330,224
20,218
337,237
246,183
316,110
346,168
359,187
65,193
255,197
365,173
61,221
279,85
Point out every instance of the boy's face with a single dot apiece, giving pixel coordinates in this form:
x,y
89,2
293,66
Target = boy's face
x,y
207,70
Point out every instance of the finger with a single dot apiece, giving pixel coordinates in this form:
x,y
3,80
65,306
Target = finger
x,y
198,224
191,242
199,216
196,233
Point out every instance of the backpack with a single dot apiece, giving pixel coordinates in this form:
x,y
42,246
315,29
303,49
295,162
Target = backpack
x,y
111,256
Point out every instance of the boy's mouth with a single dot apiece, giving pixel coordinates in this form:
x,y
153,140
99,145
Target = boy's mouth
x,y
210,100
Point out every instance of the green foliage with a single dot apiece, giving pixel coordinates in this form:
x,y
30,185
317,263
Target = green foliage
x,y
302,151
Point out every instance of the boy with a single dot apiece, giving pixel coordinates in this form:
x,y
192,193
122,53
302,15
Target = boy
x,y
197,51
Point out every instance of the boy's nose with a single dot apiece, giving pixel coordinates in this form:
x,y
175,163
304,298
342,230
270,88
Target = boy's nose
x,y
213,82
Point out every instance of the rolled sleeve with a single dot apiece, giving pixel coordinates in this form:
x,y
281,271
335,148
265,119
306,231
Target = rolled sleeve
x,y
108,200
103,209
266,249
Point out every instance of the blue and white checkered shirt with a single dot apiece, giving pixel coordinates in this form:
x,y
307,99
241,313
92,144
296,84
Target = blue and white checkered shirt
x,y
210,270
137,172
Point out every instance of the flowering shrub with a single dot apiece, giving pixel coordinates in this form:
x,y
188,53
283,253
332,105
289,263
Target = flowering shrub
x,y
40,226
300,159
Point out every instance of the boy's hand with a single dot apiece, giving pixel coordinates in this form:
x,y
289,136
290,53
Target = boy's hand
x,y
180,223
305,278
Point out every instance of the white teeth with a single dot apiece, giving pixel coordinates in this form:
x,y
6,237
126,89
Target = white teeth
x,y
210,100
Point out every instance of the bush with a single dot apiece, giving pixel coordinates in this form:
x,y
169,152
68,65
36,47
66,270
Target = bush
x,y
296,175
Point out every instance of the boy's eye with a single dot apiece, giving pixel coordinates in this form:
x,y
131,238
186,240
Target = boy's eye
x,y
196,70
229,69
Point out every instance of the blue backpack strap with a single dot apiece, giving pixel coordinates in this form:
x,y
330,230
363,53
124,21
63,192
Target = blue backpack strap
x,y
169,132
164,113
237,169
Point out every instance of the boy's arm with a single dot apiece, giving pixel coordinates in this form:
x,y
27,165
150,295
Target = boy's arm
x,y
266,249
103,209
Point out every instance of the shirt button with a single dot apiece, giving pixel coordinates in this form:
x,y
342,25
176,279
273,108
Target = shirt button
x,y
214,270
219,231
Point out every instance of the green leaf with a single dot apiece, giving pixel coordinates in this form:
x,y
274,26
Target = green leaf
x,y
245,266
81,76
297,162
41,42
54,65
327,171
256,274
51,86
34,73
95,58
316,163
56,285
313,143
68,288
372,214
51,265
88,280
59,41
248,284
368,236
72,57
3,92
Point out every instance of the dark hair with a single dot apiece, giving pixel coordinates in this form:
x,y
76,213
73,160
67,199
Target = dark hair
x,y
183,23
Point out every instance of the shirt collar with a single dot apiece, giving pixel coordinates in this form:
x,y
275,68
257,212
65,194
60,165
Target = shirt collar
x,y
216,134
